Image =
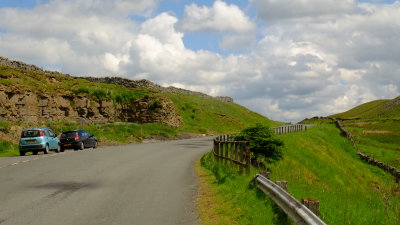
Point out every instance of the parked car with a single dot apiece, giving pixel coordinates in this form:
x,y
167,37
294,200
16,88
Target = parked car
x,y
77,139
38,139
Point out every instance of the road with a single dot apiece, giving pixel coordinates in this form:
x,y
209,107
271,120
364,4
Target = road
x,y
152,183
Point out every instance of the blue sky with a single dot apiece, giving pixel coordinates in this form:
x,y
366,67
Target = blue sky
x,y
284,59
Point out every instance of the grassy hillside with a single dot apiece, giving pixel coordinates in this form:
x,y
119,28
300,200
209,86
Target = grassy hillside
x,y
377,129
375,109
200,115
318,163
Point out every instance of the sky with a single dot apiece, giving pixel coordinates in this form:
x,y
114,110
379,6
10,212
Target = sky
x,y
286,59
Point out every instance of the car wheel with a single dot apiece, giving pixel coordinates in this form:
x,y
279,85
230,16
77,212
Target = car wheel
x,y
95,144
46,150
21,153
34,152
82,146
62,149
58,149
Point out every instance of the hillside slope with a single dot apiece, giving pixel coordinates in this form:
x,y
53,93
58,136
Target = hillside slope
x,y
32,97
375,126
386,108
318,163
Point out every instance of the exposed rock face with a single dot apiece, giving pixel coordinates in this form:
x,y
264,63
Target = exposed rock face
x,y
36,108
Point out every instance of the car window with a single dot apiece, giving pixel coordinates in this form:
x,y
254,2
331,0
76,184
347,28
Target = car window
x,y
30,133
51,134
71,134
46,133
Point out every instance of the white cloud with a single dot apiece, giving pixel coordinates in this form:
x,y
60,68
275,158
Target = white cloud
x,y
288,9
298,68
220,17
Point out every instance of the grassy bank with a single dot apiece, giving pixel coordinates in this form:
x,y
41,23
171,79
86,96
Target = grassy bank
x,y
318,163
206,115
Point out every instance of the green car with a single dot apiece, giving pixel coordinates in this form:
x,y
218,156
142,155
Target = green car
x,y
38,139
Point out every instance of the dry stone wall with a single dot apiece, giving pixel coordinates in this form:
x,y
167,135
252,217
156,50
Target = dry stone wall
x,y
365,157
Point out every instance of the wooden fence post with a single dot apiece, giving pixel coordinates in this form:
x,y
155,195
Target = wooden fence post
x,y
242,150
248,160
283,184
265,173
312,204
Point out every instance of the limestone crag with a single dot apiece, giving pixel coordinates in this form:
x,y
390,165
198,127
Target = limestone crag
x,y
42,107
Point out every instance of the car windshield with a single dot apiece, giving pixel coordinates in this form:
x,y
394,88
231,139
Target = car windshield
x,y
71,134
30,133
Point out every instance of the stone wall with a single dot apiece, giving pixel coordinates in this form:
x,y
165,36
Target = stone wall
x,y
365,157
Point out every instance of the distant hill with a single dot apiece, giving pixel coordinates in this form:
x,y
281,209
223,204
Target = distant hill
x,y
386,108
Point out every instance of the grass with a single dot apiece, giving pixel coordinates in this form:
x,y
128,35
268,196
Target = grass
x,y
318,163
230,199
205,115
118,133
8,148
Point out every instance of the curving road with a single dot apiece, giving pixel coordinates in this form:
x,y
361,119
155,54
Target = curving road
x,y
142,184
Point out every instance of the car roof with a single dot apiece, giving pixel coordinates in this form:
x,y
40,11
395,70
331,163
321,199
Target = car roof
x,y
73,131
37,128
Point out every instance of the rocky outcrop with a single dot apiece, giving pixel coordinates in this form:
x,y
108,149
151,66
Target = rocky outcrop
x,y
43,107
27,67
150,85
112,80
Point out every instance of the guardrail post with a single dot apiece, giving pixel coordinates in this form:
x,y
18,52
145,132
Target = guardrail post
x,y
312,204
265,173
283,184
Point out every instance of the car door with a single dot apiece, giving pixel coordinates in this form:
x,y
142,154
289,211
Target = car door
x,y
85,139
53,140
90,139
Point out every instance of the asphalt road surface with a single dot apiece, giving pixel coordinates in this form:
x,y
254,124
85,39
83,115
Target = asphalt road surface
x,y
152,183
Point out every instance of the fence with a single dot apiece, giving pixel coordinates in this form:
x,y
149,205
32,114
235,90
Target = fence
x,y
238,153
235,152
291,128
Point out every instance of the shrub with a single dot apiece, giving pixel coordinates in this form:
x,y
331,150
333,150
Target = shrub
x,y
100,94
81,90
263,142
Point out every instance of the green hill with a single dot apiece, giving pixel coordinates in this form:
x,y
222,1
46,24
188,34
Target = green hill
x,y
373,110
115,113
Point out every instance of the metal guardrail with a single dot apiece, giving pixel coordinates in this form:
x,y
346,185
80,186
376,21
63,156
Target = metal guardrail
x,y
299,213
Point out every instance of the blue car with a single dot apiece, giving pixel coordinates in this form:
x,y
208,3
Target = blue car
x,y
38,139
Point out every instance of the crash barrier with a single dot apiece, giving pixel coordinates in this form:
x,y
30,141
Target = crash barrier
x,y
234,152
367,158
298,212
291,128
